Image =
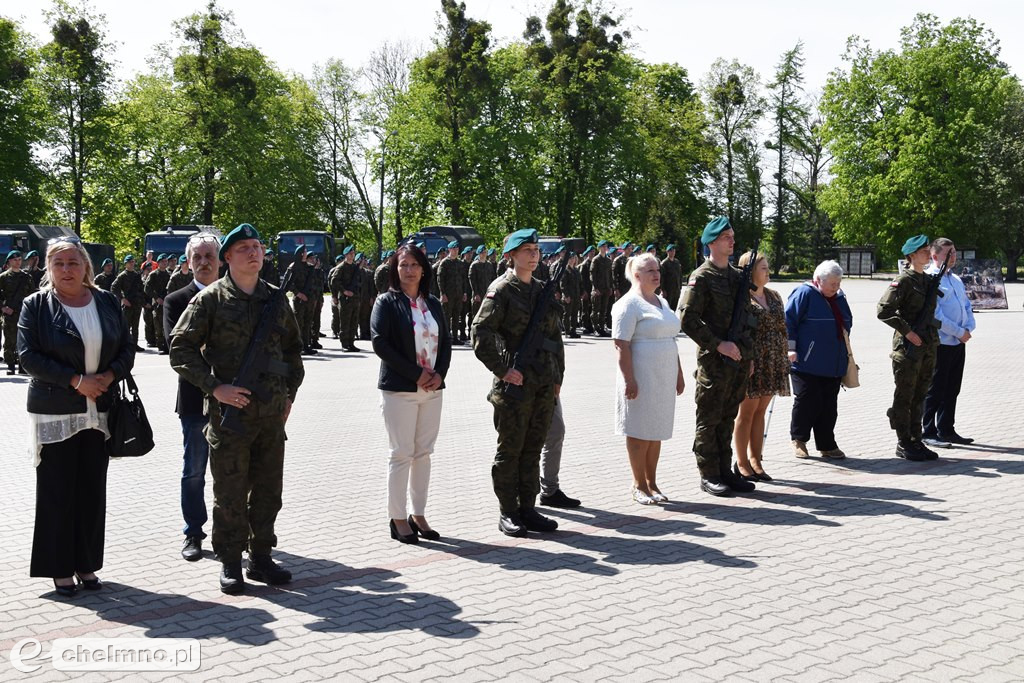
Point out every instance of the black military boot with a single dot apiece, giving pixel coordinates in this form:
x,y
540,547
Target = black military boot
x,y
231,580
10,368
714,486
929,454
907,451
534,521
263,569
511,525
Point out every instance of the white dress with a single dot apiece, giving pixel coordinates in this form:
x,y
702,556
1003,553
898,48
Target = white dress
x,y
651,332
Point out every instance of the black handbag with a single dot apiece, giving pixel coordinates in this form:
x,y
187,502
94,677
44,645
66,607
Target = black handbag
x,y
130,433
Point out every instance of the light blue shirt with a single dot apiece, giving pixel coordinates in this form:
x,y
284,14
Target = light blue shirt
x,y
953,309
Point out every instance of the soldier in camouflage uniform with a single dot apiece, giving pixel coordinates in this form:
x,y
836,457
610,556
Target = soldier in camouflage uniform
x,y
317,281
15,285
522,424
620,285
207,347
335,311
106,277
465,260
156,289
479,279
367,294
382,273
450,281
569,287
180,277
301,288
128,288
435,285
585,287
722,366
345,288
600,296
914,349
32,268
671,277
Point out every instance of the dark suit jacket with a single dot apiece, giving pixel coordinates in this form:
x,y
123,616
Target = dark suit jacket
x,y
190,398
391,330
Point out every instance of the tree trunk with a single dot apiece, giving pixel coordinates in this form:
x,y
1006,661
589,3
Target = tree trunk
x,y
1012,258
209,194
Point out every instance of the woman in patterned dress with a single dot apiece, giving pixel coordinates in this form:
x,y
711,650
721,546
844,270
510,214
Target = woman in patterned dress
x,y
770,372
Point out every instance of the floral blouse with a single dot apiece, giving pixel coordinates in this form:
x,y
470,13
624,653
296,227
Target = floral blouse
x,y
425,332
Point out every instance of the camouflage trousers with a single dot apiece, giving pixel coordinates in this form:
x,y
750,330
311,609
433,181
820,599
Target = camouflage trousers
x,y
672,297
452,311
315,317
303,311
11,338
913,376
719,391
599,307
522,430
247,471
348,319
157,313
131,316
147,324
569,315
335,317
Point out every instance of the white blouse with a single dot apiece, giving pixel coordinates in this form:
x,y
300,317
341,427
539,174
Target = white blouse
x,y
425,332
55,428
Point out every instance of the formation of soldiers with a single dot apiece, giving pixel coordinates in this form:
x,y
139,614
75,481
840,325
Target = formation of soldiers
x,y
142,292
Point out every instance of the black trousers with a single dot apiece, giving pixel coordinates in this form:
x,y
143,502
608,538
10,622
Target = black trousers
x,y
815,409
71,506
940,401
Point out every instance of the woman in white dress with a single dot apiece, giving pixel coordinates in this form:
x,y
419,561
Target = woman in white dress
x,y
644,330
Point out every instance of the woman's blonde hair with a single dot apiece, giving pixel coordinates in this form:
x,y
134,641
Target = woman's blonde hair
x,y
745,259
65,245
635,263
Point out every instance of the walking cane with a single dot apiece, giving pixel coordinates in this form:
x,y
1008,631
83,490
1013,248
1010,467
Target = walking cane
x,y
768,420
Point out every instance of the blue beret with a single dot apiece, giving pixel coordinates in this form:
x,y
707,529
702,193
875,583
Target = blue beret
x,y
603,243
670,247
589,249
420,245
626,244
613,251
128,257
649,247
13,253
490,252
182,258
714,229
359,256
347,250
32,253
481,249
467,250
161,257
454,244
338,258
560,249
519,238
242,232
912,245
299,249
105,262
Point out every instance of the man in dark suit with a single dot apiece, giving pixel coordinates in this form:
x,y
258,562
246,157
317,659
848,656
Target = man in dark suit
x,y
201,254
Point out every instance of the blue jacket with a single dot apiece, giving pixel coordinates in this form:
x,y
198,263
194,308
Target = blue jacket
x,y
811,329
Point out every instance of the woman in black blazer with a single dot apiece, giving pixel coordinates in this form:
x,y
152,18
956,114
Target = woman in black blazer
x,y
412,338
73,341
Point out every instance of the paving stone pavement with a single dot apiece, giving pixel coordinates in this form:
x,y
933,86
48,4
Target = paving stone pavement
x,y
870,569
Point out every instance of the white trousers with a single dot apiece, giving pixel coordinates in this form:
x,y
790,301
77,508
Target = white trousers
x,y
412,421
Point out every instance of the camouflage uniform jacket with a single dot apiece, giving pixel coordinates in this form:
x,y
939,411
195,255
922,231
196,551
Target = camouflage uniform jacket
x,y
128,285
467,286
367,288
671,275
585,285
15,285
345,276
179,280
707,311
156,284
619,280
479,278
104,281
601,273
449,278
543,272
569,285
317,279
381,278
210,339
302,276
501,322
901,307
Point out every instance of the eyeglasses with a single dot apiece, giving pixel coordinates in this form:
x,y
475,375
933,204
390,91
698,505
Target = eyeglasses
x,y
203,237
69,239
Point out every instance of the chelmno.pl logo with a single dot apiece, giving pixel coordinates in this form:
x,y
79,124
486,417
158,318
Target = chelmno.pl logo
x,y
109,654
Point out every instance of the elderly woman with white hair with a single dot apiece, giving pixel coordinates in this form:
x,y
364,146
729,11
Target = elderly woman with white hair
x,y
817,319
644,330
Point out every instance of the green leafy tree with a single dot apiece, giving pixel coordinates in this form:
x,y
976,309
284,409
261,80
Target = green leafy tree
x,y
906,128
76,78
21,113
808,181
1003,178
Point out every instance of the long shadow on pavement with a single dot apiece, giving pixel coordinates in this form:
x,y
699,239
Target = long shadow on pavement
x,y
169,615
635,551
521,557
947,464
336,595
840,500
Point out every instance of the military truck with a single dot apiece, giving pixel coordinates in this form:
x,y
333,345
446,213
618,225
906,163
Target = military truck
x,y
14,239
315,242
39,235
171,240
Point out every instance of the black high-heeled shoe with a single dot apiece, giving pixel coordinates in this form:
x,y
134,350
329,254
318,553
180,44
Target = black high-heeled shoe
x,y
93,584
403,538
65,591
745,477
428,534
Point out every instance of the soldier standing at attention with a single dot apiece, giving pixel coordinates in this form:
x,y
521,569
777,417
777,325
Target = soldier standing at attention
x,y
903,306
335,310
620,285
671,277
207,347
269,271
148,268
316,298
466,258
128,288
722,366
523,423
585,287
382,274
180,277
600,297
15,285
301,305
479,271
106,277
569,286
449,280
367,293
33,269
156,290
345,287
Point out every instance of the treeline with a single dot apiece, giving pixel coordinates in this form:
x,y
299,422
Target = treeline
x,y
565,130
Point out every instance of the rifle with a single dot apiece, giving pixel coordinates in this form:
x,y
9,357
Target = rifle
x,y
256,360
739,307
924,320
533,341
